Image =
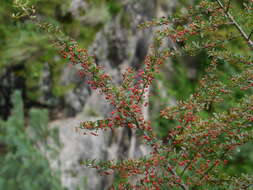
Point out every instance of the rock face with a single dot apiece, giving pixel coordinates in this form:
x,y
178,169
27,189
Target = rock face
x,y
76,148
118,45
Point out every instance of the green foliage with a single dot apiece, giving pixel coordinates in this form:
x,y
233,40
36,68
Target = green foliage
x,y
88,33
23,165
113,6
241,161
27,47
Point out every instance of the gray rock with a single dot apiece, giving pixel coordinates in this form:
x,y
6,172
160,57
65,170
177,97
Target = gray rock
x,y
76,148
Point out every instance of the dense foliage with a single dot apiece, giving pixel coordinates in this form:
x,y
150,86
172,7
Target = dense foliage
x,y
23,163
205,128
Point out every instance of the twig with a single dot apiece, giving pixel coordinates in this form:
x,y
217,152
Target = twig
x,y
239,28
182,185
250,34
228,6
214,164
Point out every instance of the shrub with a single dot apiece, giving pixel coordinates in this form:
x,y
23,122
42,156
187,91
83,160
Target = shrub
x,y
23,165
208,126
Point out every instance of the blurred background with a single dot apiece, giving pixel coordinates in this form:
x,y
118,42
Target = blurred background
x,y
42,98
